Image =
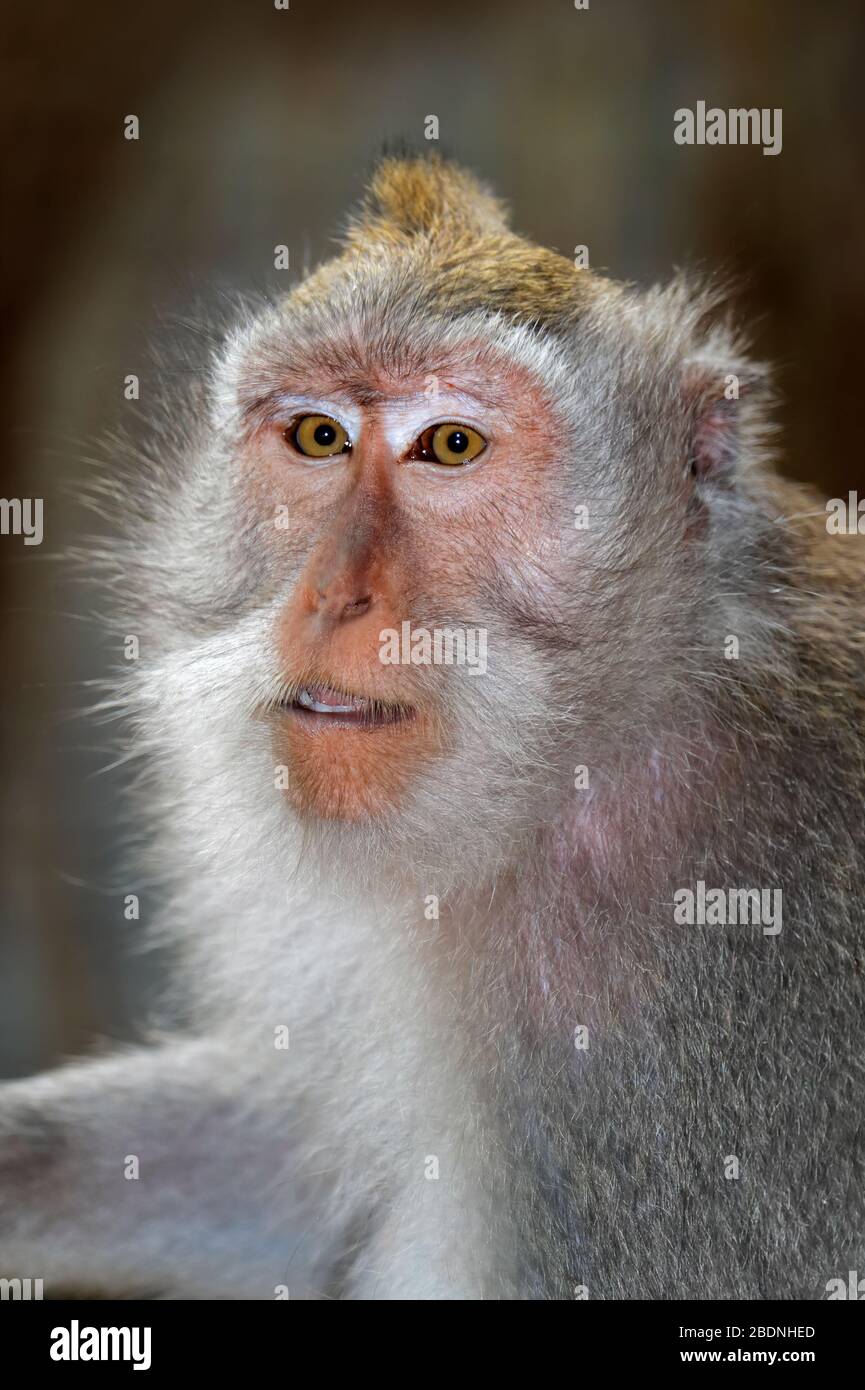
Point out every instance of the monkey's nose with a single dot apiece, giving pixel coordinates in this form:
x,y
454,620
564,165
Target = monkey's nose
x,y
339,604
356,608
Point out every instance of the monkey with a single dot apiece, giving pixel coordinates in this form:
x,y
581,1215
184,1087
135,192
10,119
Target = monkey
x,y
447,1027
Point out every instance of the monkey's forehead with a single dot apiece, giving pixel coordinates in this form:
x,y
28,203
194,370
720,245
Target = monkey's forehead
x,y
431,267
365,327
386,312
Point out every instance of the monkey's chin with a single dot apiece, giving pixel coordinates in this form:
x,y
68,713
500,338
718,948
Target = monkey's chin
x,y
350,763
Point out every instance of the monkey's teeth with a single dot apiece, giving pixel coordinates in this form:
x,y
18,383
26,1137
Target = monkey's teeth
x,y
309,702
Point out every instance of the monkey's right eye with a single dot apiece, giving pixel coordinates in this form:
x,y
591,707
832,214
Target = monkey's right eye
x,y
318,436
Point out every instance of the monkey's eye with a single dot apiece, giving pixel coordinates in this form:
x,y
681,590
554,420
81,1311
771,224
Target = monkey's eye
x,y
318,436
449,444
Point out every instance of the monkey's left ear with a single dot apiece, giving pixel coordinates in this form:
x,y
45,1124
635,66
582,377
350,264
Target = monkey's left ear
x,y
721,409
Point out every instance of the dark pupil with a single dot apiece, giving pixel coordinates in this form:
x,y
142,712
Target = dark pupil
x,y
458,441
324,435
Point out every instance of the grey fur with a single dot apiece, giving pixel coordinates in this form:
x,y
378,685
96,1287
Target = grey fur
x,y
558,1167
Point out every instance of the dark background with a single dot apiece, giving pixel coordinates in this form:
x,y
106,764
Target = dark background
x,y
257,126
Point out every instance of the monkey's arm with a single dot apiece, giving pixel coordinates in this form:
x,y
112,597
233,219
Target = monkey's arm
x,y
192,1223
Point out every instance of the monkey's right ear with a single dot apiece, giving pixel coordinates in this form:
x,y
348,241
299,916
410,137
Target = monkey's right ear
x,y
424,196
721,409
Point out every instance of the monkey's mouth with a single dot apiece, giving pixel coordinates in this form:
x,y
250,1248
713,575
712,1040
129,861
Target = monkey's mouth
x,y
323,706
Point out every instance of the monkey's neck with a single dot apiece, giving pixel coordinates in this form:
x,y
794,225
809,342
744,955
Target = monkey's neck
x,y
584,913
574,903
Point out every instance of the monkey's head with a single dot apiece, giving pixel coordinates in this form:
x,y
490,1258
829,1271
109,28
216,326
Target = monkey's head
x,y
461,517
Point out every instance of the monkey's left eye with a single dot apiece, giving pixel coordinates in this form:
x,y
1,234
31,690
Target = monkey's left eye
x,y
449,444
318,436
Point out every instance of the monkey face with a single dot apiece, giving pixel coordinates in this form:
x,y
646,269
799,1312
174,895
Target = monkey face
x,y
450,537
404,498
439,627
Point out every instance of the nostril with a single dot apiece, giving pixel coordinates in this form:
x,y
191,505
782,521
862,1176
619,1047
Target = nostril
x,y
358,607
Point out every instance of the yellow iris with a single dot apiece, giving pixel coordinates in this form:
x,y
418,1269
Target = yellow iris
x,y
318,436
455,444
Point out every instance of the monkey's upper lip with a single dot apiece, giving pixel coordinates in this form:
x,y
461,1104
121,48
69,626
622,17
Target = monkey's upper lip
x,y
325,704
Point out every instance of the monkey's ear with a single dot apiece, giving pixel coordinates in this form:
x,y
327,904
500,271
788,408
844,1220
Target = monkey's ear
x,y
721,408
425,196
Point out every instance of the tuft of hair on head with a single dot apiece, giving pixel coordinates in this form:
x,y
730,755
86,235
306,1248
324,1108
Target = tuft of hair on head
x,y
425,195
442,225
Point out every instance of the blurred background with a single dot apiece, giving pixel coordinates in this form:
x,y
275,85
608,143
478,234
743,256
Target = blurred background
x,y
257,125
